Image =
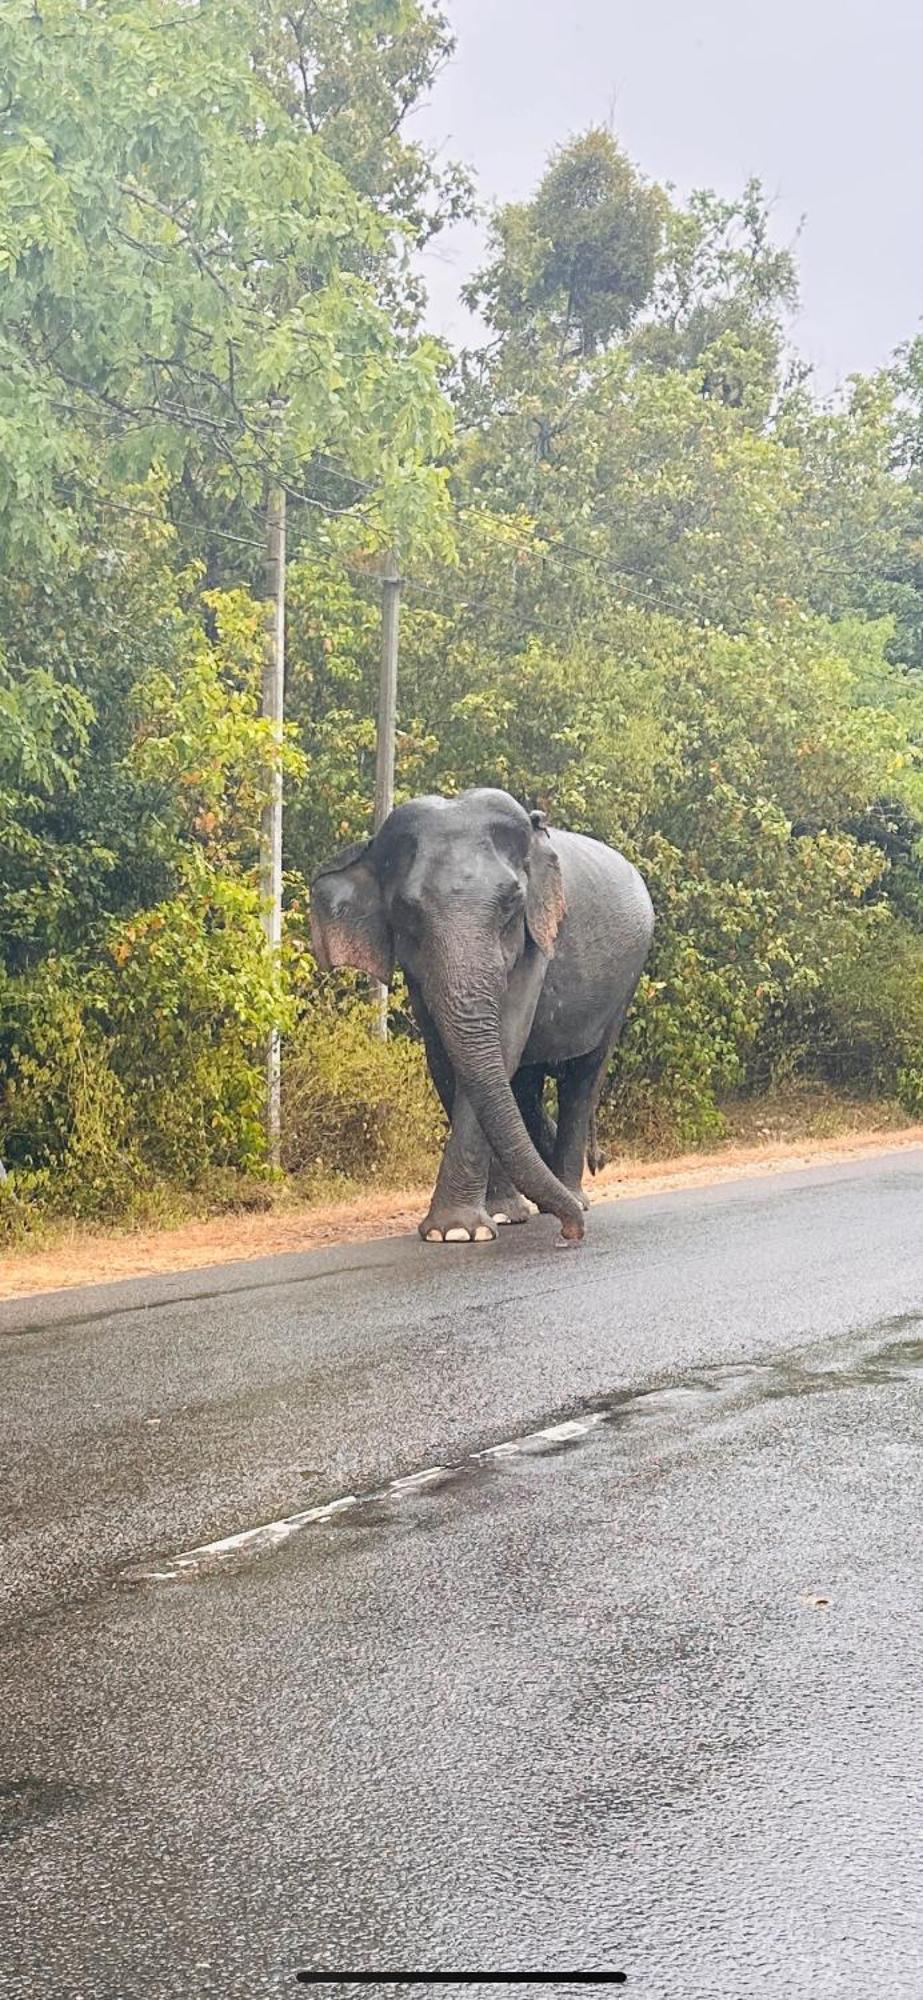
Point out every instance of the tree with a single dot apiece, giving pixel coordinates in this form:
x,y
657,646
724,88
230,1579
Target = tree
x,y
349,73
578,262
184,281
723,295
193,305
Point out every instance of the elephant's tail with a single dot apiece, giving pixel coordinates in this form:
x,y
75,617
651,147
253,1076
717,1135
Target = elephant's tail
x,y
596,1156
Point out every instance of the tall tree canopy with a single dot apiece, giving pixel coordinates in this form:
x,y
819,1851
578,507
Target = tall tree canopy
x,y
190,276
653,583
578,262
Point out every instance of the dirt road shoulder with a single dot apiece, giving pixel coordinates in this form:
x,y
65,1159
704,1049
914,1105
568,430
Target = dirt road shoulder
x,y
94,1259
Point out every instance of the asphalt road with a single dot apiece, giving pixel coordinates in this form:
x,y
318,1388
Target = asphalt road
x,y
642,1695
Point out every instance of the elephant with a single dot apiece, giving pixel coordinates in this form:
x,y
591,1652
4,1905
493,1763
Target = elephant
x,y
522,947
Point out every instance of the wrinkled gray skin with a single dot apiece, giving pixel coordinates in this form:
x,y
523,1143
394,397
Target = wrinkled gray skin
x,y
522,948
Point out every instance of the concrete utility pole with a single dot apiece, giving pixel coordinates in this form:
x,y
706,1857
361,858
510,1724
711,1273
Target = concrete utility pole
x,y
387,725
271,824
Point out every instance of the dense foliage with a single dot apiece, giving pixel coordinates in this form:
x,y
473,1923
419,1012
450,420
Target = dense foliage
x,y
654,584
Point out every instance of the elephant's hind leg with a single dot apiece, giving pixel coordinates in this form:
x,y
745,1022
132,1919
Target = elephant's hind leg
x,y
528,1090
504,1201
578,1089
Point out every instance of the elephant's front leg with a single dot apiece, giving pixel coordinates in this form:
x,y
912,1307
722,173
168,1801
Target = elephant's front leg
x,y
458,1211
462,1210
504,1201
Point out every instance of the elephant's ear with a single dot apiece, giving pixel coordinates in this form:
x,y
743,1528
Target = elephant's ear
x,y
348,922
545,904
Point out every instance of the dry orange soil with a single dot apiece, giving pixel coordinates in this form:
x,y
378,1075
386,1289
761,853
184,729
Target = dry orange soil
x,y
86,1259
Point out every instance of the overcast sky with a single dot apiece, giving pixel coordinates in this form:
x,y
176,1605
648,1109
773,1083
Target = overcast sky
x,y
819,98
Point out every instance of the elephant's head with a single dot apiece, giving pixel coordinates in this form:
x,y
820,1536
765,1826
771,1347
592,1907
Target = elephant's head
x,y
456,891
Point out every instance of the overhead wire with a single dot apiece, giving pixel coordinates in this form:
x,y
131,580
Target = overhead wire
x,y
644,591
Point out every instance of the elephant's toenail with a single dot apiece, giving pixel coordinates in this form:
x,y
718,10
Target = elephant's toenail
x,y
434,1236
484,1235
457,1236
500,1217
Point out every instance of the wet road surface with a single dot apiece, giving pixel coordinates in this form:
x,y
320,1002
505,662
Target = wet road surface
x,y
630,1680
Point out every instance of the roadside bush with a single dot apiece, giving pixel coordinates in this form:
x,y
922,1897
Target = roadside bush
x,y
353,1107
187,1007
64,1121
871,1029
142,1072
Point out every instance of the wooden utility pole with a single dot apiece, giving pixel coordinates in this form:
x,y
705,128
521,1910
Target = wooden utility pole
x,y
387,725
271,824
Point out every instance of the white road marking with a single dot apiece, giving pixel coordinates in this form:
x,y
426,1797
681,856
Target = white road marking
x,y
424,1478
269,1535
727,1386
576,1427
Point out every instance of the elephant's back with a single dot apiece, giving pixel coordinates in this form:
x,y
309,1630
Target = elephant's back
x,y
602,887
601,947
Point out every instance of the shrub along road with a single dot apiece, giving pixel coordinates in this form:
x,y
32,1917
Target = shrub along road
x,y
631,1682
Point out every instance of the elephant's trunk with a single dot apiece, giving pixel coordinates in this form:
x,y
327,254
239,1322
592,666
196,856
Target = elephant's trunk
x,y
474,1049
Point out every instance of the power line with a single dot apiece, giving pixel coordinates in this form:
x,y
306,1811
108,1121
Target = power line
x,y
645,592
190,527
206,530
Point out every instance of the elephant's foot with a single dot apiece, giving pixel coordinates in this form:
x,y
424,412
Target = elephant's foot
x,y
457,1223
510,1207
